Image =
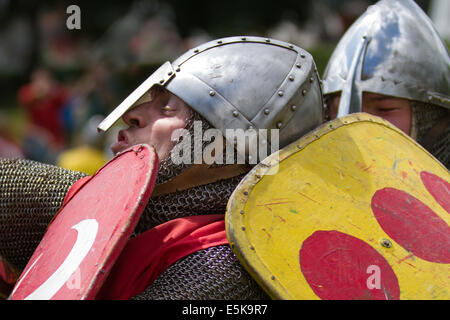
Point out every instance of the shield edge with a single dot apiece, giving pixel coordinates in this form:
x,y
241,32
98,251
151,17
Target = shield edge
x,y
143,198
235,212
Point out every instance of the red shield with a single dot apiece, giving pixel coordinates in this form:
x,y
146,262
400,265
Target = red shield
x,y
86,237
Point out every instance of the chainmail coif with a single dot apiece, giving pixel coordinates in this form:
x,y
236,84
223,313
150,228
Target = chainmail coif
x,y
425,117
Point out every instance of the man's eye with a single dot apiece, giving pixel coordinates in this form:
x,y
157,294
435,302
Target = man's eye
x,y
387,109
134,122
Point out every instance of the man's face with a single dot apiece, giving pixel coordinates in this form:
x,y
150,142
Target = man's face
x,y
395,110
153,123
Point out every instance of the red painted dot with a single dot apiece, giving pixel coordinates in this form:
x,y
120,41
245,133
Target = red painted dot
x,y
412,224
438,187
338,266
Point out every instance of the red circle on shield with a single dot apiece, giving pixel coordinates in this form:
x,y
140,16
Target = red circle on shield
x,y
338,266
412,224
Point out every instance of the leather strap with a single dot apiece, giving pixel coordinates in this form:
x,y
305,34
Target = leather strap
x,y
197,175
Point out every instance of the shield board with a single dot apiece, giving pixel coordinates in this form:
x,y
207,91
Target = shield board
x,y
90,230
355,209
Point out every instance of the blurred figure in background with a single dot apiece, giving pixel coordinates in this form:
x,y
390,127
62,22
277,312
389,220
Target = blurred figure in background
x,y
43,99
90,95
9,146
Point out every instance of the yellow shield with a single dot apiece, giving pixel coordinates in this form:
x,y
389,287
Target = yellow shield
x,y
354,210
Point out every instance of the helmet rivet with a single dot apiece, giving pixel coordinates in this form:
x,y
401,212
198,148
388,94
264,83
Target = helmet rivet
x,y
291,46
169,73
293,107
251,127
235,113
211,93
267,40
291,77
279,125
161,81
244,38
219,42
298,65
178,69
196,50
266,111
311,79
304,92
281,93
302,55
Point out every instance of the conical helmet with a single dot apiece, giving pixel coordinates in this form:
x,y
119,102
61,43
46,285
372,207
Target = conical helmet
x,y
392,49
241,83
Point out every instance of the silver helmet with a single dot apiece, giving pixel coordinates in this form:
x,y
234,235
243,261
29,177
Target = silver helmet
x,y
241,83
392,49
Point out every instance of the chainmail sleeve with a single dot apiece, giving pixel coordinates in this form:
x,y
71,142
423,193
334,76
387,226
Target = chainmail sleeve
x,y
30,195
210,274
